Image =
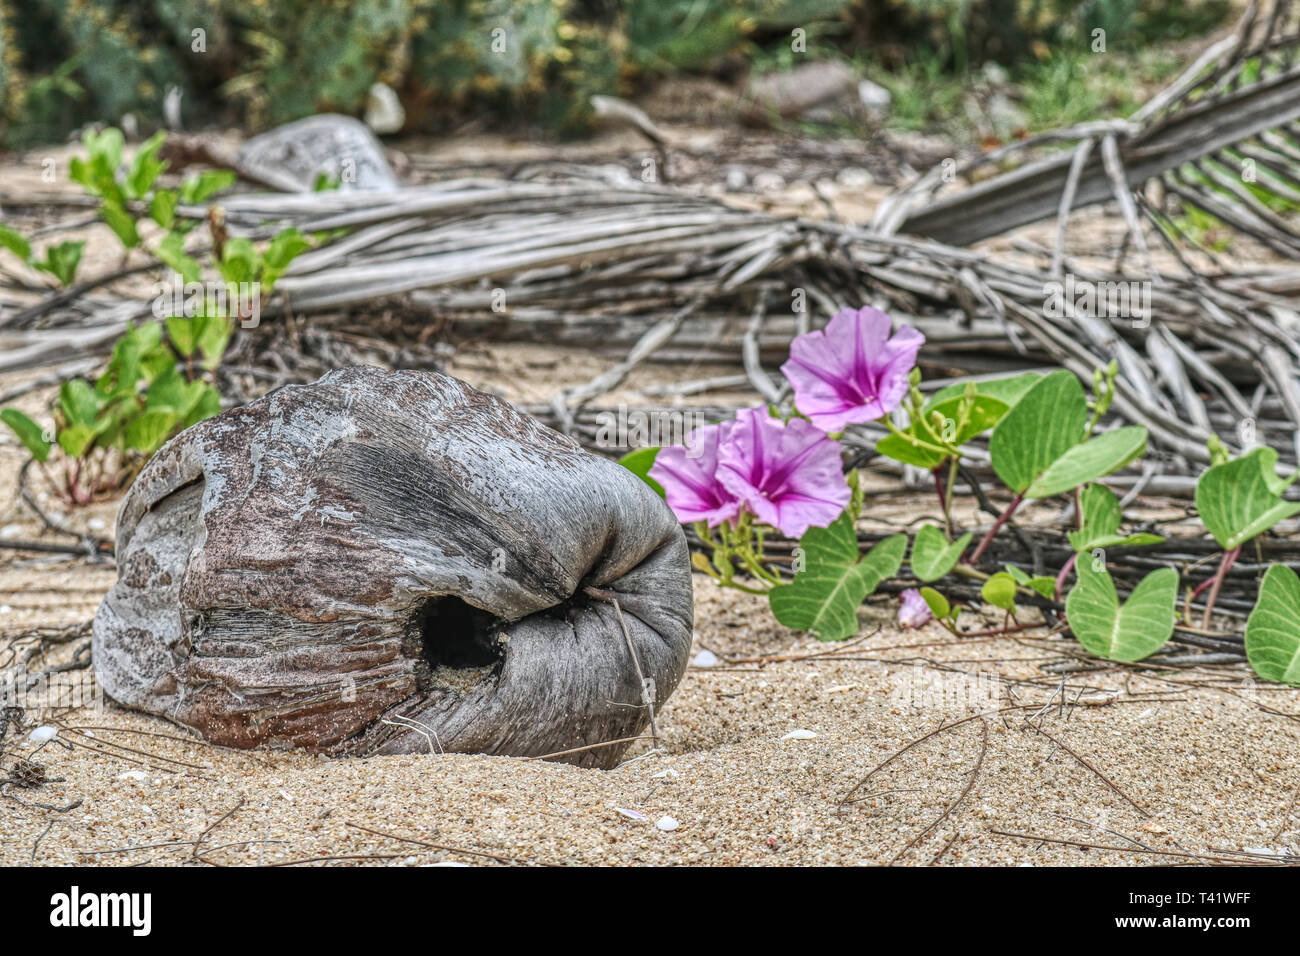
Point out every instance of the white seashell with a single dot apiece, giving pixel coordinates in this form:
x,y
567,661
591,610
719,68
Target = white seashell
x,y
799,735
705,659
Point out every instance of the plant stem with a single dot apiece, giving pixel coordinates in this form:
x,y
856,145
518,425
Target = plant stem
x,y
937,471
997,525
1229,557
1065,572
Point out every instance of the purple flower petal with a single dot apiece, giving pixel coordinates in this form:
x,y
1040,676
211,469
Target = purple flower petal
x,y
914,612
853,371
788,475
689,479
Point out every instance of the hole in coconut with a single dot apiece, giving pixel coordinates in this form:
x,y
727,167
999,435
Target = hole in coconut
x,y
459,641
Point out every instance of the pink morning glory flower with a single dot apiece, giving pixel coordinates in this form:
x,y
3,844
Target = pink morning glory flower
x,y
914,612
853,371
788,475
688,475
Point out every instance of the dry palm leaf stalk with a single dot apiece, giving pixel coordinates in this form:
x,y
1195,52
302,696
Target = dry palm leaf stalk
x,y
1222,139
599,261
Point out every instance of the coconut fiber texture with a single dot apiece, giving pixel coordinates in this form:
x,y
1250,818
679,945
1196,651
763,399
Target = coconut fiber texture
x,y
394,562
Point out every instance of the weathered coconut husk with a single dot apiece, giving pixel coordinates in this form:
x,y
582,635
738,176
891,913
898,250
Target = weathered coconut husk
x,y
389,562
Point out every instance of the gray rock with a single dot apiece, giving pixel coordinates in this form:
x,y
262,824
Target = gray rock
x,y
291,157
795,93
393,562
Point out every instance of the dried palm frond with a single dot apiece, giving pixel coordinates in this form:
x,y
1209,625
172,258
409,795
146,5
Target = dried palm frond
x,y
1222,140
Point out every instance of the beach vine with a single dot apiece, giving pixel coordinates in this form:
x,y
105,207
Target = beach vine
x,y
778,470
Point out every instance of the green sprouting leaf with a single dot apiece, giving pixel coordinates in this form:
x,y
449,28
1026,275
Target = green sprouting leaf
x,y
209,404
197,188
79,402
61,261
915,445
122,223
932,555
239,261
76,439
1000,591
145,166
162,207
182,331
823,598
172,252
105,145
324,182
1008,390
981,412
639,462
171,392
283,249
1095,458
1242,498
909,452
148,430
1130,632
1273,629
1046,423
1101,520
213,337
1044,585
29,433
15,243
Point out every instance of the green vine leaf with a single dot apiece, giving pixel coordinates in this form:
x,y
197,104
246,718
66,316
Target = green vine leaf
x,y
1242,498
933,556
1093,459
823,598
1000,591
1042,583
1101,521
1046,423
1130,632
1273,629
1007,390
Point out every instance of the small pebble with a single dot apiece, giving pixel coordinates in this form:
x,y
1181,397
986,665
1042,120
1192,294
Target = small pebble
x,y
705,659
667,823
96,524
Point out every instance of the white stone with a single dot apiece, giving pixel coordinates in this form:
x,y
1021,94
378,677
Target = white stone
x,y
705,659
800,735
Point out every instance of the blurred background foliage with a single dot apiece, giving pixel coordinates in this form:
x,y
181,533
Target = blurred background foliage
x,y
257,63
